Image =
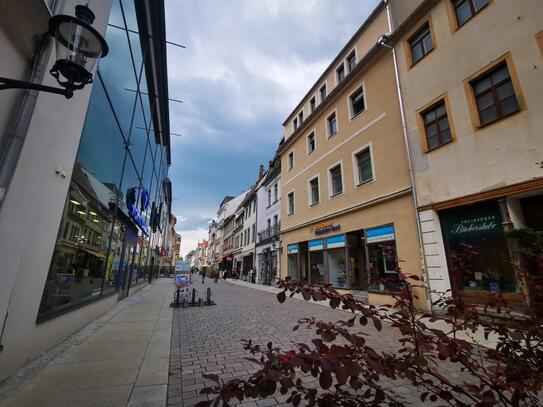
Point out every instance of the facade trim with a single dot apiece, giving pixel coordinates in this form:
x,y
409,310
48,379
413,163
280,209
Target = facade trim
x,y
487,195
381,199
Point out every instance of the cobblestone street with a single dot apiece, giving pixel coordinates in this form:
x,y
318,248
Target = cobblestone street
x,y
208,339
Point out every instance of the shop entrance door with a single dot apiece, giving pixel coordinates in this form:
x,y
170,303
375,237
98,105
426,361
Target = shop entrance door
x,y
127,264
303,262
358,275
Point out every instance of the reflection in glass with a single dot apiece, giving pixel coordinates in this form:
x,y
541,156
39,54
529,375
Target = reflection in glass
x,y
337,268
316,267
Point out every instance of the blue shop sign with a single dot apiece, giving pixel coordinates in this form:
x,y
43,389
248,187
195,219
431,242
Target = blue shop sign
x,y
335,241
133,212
316,244
292,248
380,234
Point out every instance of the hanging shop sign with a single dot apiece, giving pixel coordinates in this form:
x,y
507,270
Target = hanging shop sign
x,y
133,212
324,227
380,234
292,248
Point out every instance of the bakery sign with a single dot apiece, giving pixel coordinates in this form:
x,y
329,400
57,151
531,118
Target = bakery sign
x,y
324,227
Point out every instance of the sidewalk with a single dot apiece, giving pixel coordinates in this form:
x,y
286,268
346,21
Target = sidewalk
x,y
122,362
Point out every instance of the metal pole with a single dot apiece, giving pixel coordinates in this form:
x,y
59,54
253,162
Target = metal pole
x,y
408,151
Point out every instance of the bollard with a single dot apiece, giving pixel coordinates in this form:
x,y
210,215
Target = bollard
x,y
208,300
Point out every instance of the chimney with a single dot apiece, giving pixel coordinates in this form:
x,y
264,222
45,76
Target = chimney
x,y
260,172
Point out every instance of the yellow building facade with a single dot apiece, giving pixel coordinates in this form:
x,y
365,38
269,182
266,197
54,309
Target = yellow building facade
x,y
348,215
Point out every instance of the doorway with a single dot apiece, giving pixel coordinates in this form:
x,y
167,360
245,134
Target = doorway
x,y
358,276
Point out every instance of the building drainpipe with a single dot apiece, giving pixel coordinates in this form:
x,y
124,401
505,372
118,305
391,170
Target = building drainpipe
x,y
408,152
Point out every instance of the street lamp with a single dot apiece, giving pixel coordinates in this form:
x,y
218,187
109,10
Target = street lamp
x,y
78,46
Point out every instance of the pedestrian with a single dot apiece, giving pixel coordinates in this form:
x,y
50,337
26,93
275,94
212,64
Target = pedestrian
x,y
203,271
224,274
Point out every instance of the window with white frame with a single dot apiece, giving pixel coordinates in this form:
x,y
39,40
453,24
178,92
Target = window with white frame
x,y
254,233
275,189
364,167
269,197
340,73
351,61
331,122
290,160
357,103
312,104
311,142
275,220
295,123
322,92
314,195
290,208
301,117
336,180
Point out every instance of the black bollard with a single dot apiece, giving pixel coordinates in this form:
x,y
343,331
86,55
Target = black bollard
x,y
208,300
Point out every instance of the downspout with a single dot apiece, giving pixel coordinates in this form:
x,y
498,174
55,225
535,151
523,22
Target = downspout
x,y
408,152
9,156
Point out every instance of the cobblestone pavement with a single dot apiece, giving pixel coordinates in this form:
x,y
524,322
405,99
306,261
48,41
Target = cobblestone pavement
x,y
208,339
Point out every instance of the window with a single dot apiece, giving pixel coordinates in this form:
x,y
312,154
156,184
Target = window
x,y
254,206
436,126
322,92
290,210
290,161
269,223
357,102
295,123
301,117
269,197
332,124
494,95
275,220
340,73
335,180
312,104
253,234
275,189
311,143
314,191
465,9
364,166
351,61
421,43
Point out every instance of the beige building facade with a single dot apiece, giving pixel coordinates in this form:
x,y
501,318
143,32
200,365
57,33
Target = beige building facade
x,y
347,215
472,79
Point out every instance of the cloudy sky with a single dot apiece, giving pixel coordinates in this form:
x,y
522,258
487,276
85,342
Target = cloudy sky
x,y
246,66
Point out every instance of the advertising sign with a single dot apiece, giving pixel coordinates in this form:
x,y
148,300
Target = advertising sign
x,y
324,227
380,234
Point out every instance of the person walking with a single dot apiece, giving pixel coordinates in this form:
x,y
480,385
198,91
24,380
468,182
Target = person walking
x,y
203,272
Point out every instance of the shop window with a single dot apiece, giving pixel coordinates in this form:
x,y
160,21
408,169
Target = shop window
x,y
495,95
466,9
436,126
316,262
382,258
337,264
292,260
476,249
420,43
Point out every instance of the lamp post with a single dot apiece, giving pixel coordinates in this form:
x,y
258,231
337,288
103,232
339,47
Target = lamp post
x,y
78,46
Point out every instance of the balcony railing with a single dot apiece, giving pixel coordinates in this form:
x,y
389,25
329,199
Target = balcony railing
x,y
269,232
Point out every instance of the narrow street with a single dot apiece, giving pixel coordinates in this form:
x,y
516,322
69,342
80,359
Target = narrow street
x,y
208,339
119,360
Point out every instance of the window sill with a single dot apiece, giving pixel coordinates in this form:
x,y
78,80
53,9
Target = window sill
x,y
336,195
310,152
361,184
423,57
356,116
331,136
429,150
314,204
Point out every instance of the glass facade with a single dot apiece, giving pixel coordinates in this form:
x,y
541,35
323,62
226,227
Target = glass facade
x,y
105,242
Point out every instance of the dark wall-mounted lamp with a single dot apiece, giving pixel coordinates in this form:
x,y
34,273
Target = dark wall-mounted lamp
x,y
78,46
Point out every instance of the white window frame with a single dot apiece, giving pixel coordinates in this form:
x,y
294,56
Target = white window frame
x,y
341,64
330,113
320,94
314,132
356,178
289,166
302,119
295,124
350,105
310,203
314,97
293,202
330,192
353,51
